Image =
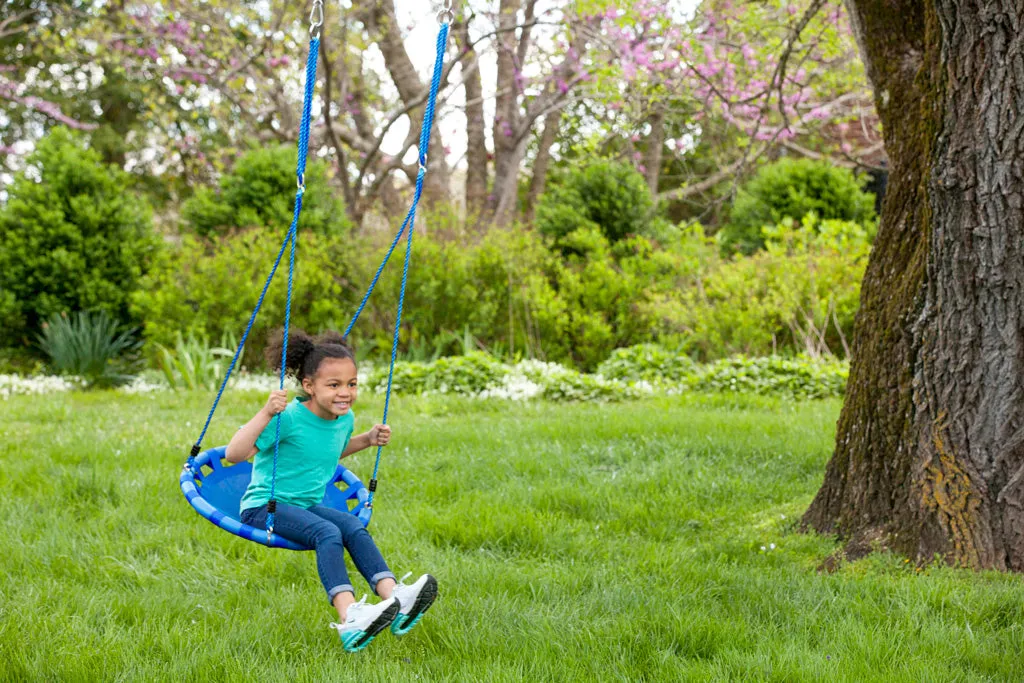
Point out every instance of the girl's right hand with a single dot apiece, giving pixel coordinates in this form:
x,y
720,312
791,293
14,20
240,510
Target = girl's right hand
x,y
277,402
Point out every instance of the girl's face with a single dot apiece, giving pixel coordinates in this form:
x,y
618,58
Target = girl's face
x,y
333,389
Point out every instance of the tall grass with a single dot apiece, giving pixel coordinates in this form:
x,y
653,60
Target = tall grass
x,y
645,541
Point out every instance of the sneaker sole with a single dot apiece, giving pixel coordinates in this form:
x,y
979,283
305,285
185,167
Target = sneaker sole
x,y
364,638
403,623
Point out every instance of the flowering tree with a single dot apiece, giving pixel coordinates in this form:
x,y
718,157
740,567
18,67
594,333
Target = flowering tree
x,y
706,98
28,95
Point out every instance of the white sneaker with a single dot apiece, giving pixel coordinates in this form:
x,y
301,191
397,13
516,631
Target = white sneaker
x,y
363,622
415,600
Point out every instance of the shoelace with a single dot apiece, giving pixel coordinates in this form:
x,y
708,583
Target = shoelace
x,y
350,616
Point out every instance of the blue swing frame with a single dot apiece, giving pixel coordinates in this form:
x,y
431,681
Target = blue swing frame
x,y
217,493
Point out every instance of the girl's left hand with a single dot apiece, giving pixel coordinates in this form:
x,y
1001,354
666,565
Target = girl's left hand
x,y
380,435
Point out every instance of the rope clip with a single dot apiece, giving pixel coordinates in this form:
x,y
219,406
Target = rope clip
x,y
316,19
447,14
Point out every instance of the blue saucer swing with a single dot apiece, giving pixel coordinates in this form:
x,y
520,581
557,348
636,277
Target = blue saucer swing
x,y
211,485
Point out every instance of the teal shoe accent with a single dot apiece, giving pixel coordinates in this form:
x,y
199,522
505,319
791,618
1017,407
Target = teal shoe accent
x,y
403,623
419,597
354,641
365,622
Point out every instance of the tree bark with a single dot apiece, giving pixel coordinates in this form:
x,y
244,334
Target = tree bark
x,y
507,148
476,140
929,454
379,16
540,165
655,147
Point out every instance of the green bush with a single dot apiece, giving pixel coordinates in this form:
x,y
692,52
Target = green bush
x,y
613,296
90,346
193,363
611,196
795,378
800,294
259,191
479,374
467,375
646,362
207,289
565,384
794,188
72,238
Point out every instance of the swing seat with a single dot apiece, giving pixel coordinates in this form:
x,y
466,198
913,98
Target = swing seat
x,y
215,488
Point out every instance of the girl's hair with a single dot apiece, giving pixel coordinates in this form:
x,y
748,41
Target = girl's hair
x,y
305,353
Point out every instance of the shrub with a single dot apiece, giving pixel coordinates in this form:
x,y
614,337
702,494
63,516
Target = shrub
x,y
801,294
467,375
207,289
259,191
193,363
794,188
611,196
564,384
75,239
480,375
646,362
611,296
89,345
799,378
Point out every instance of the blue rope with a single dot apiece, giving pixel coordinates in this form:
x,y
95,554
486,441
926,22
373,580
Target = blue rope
x,y
292,237
238,351
428,121
307,103
410,221
314,49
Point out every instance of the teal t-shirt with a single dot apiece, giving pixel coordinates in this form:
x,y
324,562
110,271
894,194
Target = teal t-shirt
x,y
306,458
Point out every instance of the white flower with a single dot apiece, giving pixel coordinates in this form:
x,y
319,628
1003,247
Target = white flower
x,y
11,385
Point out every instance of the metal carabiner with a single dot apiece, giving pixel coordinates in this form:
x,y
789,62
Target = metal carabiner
x,y
447,14
316,18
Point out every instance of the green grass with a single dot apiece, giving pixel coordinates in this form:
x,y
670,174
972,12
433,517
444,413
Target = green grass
x,y
571,543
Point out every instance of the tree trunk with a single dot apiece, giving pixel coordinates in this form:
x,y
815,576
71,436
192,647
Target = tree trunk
x,y
476,140
929,453
655,147
540,165
507,148
379,16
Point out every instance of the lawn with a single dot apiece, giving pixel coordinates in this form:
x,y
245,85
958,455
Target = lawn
x,y
649,541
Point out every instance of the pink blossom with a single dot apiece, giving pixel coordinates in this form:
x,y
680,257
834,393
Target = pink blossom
x,y
818,114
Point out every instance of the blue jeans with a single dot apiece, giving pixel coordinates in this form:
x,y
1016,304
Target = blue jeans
x,y
329,532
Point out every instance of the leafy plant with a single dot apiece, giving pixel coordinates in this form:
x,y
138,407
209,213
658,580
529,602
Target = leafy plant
x,y
646,362
565,384
259,191
611,196
795,378
193,363
71,239
794,188
89,345
467,375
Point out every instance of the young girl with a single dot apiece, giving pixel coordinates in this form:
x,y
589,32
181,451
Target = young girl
x,y
316,430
